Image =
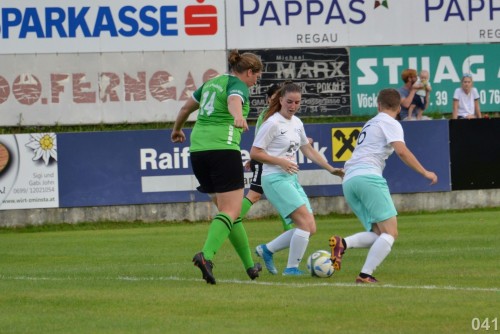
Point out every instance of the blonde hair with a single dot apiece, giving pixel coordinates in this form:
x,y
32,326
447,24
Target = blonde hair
x,y
240,63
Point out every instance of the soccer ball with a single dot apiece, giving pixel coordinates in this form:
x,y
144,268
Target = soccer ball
x,y
319,264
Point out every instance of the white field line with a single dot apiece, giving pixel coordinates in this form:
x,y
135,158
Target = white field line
x,y
234,281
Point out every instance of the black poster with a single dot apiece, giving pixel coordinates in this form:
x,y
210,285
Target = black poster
x,y
323,75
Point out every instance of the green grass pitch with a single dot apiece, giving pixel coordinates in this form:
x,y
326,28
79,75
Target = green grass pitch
x,y
443,276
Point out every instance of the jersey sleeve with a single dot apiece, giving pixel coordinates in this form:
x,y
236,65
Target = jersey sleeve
x,y
197,94
303,136
237,87
475,93
393,132
265,134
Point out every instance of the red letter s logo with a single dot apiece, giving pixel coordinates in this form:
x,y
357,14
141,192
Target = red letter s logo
x,y
200,20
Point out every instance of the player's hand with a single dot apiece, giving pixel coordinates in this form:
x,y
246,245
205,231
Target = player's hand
x,y
338,172
241,123
289,166
178,136
247,165
431,176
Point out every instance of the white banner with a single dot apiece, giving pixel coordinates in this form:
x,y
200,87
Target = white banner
x,y
52,26
92,88
28,171
333,23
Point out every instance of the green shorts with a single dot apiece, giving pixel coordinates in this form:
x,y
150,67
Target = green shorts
x,y
285,193
369,198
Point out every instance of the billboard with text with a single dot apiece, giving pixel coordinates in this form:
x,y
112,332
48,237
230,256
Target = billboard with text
x,y
374,68
334,23
93,88
70,26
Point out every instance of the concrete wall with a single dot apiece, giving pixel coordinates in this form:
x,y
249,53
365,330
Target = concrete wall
x,y
203,211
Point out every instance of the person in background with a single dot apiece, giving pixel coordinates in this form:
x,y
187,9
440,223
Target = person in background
x,y
279,138
366,190
223,105
421,99
407,91
466,100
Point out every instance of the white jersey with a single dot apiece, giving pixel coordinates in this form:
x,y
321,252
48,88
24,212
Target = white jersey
x,y
374,146
280,137
423,92
466,105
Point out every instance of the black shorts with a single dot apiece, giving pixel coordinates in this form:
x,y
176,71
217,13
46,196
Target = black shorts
x,y
256,168
218,171
419,101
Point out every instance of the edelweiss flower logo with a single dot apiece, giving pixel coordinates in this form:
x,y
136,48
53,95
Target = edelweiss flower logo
x,y
381,3
44,146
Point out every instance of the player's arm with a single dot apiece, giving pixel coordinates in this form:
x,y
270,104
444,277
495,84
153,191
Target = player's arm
x,y
319,160
235,107
189,107
410,160
259,154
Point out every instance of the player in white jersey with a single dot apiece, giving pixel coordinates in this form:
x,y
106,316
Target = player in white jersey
x,y
366,190
276,144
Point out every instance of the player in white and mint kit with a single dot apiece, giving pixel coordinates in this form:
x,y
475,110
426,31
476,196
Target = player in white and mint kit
x,y
276,145
366,190
255,192
223,104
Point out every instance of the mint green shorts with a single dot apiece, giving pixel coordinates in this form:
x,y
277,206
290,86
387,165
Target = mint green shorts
x,y
285,193
369,198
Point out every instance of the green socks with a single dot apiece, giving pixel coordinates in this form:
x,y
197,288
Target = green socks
x,y
286,226
245,207
239,240
219,230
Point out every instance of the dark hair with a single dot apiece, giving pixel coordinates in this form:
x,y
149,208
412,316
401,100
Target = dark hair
x,y
389,98
275,105
240,63
272,89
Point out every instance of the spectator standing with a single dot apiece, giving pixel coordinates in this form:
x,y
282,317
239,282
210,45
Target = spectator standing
x,y
421,99
407,91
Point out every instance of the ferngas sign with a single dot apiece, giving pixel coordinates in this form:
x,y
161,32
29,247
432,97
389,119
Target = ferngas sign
x,y
108,87
326,23
97,26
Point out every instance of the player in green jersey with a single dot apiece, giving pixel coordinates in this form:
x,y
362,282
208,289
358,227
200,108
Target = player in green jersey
x,y
223,105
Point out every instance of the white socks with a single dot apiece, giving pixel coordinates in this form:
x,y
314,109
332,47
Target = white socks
x,y
298,245
281,242
361,240
377,253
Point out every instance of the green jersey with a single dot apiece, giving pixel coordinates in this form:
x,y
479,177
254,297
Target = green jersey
x,y
260,119
214,128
